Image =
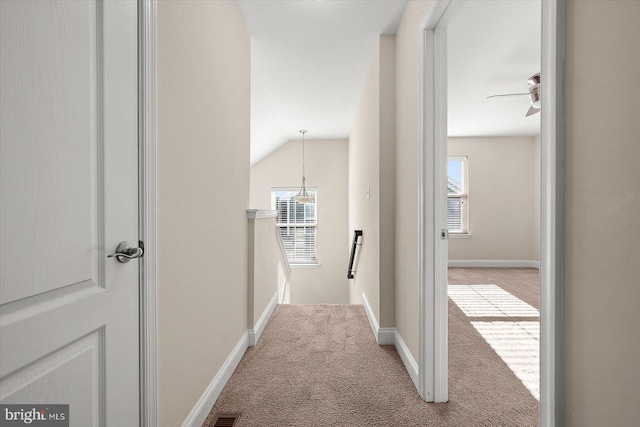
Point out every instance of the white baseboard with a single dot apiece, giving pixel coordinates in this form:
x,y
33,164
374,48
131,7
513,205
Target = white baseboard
x,y
386,336
253,335
408,360
391,336
383,336
495,263
372,319
203,406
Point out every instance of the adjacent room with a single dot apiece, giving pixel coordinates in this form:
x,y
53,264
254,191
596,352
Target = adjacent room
x,y
493,201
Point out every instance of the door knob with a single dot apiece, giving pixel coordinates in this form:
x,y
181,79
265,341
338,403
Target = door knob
x,y
125,252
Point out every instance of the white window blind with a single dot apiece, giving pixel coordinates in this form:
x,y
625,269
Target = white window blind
x,y
457,195
297,223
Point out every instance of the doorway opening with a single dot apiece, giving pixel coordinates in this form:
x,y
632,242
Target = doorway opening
x,y
493,204
434,234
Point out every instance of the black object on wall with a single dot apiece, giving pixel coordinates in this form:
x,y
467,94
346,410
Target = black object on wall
x,y
357,234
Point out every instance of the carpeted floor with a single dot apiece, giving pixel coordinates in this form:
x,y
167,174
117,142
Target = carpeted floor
x,y
319,365
523,283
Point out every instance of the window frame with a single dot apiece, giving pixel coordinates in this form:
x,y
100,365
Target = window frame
x,y
463,195
299,262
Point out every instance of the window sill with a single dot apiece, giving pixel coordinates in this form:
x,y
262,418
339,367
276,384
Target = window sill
x,y
459,235
308,265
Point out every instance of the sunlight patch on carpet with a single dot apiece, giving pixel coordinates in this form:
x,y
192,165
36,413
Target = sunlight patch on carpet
x,y
489,301
517,344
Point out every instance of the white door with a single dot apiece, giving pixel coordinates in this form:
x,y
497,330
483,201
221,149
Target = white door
x,y
68,196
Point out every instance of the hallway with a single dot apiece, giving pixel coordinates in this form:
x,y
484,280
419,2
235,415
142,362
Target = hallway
x,y
320,365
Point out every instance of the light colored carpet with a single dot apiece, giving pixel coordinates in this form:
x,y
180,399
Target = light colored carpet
x,y
523,283
319,365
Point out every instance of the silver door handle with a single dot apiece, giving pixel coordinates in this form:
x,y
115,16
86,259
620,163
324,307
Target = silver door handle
x,y
125,252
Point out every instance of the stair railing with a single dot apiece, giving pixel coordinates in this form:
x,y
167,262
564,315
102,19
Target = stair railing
x,y
357,241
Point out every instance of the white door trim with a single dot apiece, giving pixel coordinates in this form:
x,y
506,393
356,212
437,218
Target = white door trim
x,y
432,365
148,212
433,299
552,216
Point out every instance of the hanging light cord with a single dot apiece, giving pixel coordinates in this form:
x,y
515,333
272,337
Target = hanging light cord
x,y
303,192
303,132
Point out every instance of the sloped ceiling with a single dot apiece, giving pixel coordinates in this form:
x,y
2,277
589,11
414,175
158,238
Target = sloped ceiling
x,y
310,59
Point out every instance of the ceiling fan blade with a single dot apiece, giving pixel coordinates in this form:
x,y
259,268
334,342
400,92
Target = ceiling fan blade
x,y
534,80
532,111
508,94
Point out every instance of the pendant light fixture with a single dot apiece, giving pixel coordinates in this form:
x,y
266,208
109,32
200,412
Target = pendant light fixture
x,y
303,196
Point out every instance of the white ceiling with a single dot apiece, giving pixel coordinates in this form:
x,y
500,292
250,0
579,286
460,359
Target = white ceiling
x,y
493,48
310,59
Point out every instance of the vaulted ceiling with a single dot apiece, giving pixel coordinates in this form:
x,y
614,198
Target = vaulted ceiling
x,y
310,59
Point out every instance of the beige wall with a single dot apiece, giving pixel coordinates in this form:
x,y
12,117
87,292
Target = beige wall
x,y
364,176
387,180
203,157
602,231
264,259
326,170
372,170
407,125
502,186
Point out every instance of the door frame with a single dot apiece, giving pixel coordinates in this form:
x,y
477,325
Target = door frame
x,y
433,369
433,353
147,179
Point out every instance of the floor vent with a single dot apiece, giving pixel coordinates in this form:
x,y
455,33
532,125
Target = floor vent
x,y
225,421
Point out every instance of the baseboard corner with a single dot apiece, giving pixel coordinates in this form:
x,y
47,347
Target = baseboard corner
x,y
251,338
386,336
255,333
370,316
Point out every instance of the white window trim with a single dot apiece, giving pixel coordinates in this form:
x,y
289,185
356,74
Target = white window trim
x,y
457,235
466,224
307,263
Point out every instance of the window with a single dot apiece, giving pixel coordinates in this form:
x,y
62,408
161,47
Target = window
x,y
297,222
457,195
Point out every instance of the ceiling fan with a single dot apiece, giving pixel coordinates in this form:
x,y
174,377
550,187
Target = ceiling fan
x,y
534,94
